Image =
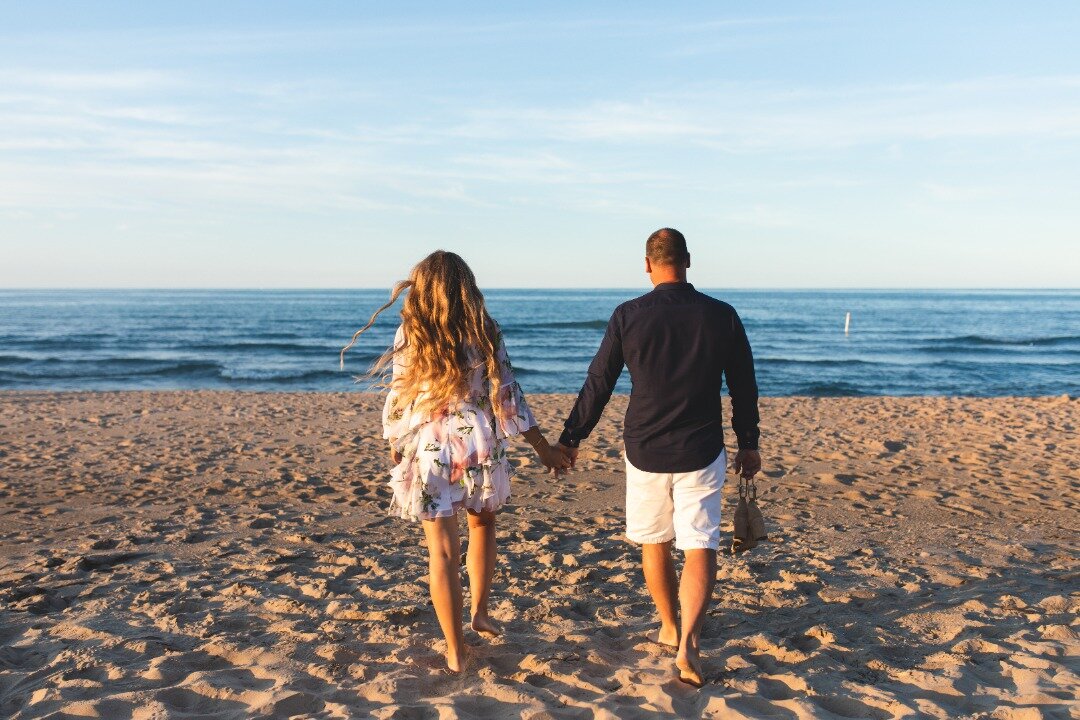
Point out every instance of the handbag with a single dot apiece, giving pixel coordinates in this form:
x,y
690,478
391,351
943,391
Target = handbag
x,y
749,523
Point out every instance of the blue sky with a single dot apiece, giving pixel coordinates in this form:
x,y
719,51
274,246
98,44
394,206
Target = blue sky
x,y
269,144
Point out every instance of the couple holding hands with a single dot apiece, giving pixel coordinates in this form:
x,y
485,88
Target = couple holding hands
x,y
453,403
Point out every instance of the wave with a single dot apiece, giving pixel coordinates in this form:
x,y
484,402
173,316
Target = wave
x,y
829,389
962,341
45,344
130,364
14,360
21,342
288,378
999,365
128,369
271,335
254,345
561,325
188,370
820,362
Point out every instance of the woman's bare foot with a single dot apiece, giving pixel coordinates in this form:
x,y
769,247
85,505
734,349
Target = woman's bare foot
x,y
455,662
486,626
689,666
663,636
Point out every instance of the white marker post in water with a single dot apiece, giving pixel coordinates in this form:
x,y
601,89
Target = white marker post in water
x,y
847,323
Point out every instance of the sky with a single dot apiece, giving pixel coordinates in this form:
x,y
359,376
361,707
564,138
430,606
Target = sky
x,y
334,144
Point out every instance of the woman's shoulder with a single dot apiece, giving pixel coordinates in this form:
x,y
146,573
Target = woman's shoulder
x,y
494,330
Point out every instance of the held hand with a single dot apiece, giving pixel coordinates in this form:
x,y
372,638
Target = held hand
x,y
747,463
395,456
555,459
570,452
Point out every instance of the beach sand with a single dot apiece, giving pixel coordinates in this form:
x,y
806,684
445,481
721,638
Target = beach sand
x,y
220,554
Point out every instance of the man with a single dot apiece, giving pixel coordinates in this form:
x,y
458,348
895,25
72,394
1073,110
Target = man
x,y
678,345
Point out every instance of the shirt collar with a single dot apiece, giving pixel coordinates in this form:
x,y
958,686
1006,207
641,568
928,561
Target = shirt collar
x,y
676,285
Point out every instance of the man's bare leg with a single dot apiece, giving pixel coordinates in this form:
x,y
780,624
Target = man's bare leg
x,y
481,564
695,592
659,568
444,558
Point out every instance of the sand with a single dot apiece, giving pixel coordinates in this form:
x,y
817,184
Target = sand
x,y
224,555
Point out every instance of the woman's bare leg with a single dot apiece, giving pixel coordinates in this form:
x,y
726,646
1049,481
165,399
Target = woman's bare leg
x,y
481,564
444,558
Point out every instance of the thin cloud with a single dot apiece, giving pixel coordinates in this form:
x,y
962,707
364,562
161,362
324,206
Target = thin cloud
x,y
451,29
86,81
753,118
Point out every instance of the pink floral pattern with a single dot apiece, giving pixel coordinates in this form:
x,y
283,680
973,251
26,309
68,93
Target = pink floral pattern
x,y
457,457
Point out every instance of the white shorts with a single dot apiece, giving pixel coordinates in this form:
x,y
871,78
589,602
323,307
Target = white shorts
x,y
680,506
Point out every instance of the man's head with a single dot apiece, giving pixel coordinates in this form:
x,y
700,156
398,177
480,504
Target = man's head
x,y
666,256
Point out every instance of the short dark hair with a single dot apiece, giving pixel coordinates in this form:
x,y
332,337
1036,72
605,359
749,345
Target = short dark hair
x,y
667,246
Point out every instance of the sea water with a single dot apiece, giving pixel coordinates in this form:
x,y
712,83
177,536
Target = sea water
x,y
899,343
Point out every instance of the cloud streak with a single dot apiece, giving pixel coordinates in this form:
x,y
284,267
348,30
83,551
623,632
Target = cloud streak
x,y
122,138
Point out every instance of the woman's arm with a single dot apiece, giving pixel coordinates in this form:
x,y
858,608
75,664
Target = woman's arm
x,y
553,458
394,417
516,417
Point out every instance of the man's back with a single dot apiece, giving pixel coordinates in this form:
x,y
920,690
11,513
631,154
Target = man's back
x,y
678,344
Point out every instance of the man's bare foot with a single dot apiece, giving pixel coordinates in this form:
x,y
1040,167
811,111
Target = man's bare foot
x,y
486,626
689,667
668,637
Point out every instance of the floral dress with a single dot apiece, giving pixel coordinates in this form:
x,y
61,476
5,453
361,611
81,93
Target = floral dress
x,y
457,457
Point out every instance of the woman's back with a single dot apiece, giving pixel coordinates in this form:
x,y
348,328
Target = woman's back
x,y
455,452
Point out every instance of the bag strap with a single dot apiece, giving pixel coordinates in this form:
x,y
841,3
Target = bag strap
x,y
747,489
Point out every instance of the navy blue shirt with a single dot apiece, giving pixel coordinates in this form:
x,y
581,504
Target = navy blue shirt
x,y
678,344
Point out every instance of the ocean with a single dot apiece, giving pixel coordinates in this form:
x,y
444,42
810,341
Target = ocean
x,y
983,343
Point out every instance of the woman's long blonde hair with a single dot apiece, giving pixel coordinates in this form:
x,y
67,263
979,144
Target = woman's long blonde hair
x,y
447,334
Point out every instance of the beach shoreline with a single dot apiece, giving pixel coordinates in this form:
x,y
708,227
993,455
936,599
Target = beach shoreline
x,y
228,553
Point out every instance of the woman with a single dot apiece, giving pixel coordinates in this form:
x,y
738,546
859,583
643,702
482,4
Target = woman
x,y
452,404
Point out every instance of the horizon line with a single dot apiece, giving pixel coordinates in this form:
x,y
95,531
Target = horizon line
x,y
806,288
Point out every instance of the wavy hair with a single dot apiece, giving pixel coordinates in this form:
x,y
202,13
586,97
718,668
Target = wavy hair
x,y
448,334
